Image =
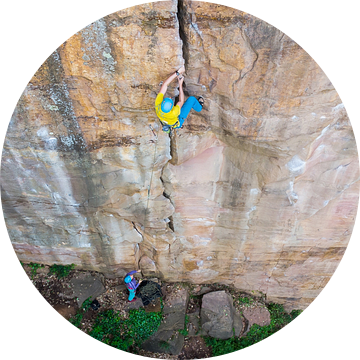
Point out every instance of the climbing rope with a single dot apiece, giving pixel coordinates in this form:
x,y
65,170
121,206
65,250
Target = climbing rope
x,y
148,291
152,172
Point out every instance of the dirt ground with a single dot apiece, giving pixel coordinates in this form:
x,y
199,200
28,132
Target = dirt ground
x,y
115,297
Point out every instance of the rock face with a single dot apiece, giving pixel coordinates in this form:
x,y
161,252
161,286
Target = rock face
x,y
218,316
258,190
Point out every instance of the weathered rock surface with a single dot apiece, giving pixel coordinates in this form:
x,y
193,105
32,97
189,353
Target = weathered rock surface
x,y
194,323
137,304
85,286
258,190
257,315
167,338
218,316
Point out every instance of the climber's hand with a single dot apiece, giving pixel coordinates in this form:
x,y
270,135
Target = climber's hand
x,y
181,80
139,271
182,70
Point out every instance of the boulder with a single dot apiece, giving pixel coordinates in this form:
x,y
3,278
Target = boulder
x,y
238,324
168,342
201,290
177,301
85,286
167,339
194,323
218,316
258,315
137,304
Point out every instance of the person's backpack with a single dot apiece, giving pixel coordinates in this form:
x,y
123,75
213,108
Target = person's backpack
x,y
95,305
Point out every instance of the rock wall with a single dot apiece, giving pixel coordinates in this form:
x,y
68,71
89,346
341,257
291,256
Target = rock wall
x,y
258,190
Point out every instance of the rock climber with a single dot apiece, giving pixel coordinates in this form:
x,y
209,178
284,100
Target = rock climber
x,y
174,116
132,284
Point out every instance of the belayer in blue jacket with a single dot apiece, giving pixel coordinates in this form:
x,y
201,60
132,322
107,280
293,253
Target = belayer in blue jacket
x,y
132,284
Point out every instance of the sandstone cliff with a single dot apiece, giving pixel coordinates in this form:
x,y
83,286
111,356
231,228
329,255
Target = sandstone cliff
x,y
259,190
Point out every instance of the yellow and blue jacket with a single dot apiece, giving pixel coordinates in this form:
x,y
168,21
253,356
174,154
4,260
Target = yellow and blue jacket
x,y
169,118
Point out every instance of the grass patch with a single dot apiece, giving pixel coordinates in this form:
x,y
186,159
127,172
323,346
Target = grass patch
x,y
77,318
279,318
124,334
61,271
185,331
247,301
34,267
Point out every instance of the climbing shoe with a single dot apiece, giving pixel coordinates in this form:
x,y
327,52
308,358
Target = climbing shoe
x,y
201,100
166,128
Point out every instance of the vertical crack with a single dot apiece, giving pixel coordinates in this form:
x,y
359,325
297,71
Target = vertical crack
x,y
170,221
171,225
137,230
138,250
181,15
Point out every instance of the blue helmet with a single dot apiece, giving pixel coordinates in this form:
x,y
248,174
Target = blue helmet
x,y
127,279
167,105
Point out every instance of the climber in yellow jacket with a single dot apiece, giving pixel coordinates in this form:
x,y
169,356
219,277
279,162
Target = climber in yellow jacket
x,y
174,116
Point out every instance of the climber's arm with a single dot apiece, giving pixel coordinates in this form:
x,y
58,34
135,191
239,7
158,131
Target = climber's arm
x,y
181,101
166,83
131,273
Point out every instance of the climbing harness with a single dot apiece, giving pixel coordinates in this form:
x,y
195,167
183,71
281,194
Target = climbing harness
x,y
167,128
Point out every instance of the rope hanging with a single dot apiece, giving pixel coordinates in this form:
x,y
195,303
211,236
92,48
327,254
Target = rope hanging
x,y
151,177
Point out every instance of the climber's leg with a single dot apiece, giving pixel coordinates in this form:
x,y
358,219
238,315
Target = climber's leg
x,y
190,103
131,294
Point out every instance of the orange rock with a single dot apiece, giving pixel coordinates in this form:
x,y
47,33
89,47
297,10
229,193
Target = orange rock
x,y
259,189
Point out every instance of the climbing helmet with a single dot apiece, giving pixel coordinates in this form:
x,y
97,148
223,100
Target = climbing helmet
x,y
167,105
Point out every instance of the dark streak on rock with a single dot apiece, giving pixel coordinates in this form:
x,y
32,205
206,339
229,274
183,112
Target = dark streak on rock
x,y
105,140
182,14
58,93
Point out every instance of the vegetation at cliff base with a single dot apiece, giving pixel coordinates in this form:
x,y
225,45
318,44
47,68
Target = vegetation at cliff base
x,y
34,267
76,320
122,333
279,318
61,271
